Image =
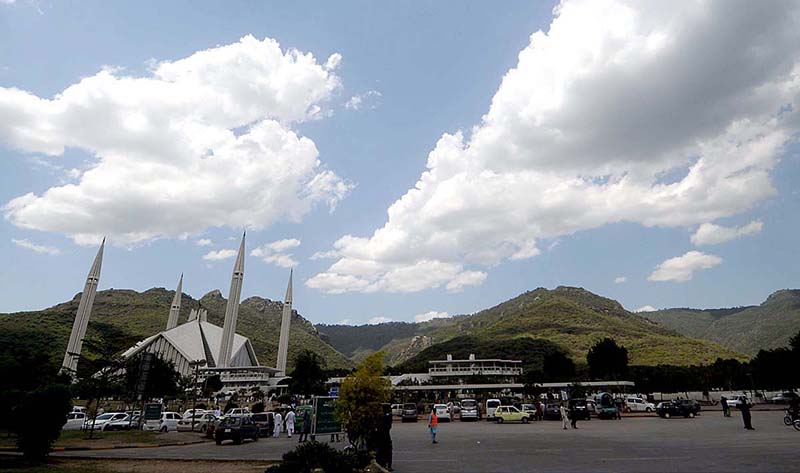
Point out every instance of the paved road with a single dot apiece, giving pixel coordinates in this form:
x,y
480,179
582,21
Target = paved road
x,y
708,443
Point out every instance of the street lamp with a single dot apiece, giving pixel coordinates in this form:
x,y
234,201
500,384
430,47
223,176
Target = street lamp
x,y
196,365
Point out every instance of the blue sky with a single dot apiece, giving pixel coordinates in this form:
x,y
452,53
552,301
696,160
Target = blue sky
x,y
423,69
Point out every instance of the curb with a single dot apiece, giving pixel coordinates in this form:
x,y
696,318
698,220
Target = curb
x,y
112,447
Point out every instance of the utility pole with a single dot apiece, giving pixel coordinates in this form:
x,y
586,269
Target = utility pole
x,y
196,364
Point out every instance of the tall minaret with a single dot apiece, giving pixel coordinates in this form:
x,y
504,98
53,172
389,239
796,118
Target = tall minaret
x,y
175,308
73,352
232,310
283,343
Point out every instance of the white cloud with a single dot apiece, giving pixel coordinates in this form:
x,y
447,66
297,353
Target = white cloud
x,y
28,245
204,141
276,252
615,114
368,100
346,322
324,255
620,279
647,308
710,234
378,320
428,316
204,242
681,268
219,255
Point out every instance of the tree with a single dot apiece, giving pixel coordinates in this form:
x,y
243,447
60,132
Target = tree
x,y
38,419
607,360
212,385
558,367
162,379
576,391
308,377
360,397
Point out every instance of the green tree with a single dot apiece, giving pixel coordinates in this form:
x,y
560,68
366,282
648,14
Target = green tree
x,y
38,419
213,384
162,379
576,391
607,360
360,397
558,367
308,377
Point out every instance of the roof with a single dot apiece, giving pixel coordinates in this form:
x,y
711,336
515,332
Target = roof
x,y
478,360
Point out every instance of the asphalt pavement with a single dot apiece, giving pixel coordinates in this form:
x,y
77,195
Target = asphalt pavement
x,y
708,443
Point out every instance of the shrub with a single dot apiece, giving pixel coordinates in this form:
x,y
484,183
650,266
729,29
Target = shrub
x,y
312,455
38,418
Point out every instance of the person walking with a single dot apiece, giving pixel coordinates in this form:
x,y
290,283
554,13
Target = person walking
x,y
573,417
564,417
278,422
433,425
290,416
726,409
744,406
384,439
306,428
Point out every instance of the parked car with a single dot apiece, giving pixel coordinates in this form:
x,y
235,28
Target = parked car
x,y
455,407
129,422
579,408
201,422
75,421
397,410
530,409
409,413
238,411
510,414
189,412
784,398
491,405
442,412
552,411
470,410
236,428
265,421
79,409
167,423
637,404
103,419
692,405
606,406
669,409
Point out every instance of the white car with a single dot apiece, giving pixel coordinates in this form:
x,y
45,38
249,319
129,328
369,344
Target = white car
x,y
103,419
637,404
188,412
79,409
201,422
397,410
130,421
736,400
491,405
442,412
238,411
75,421
167,423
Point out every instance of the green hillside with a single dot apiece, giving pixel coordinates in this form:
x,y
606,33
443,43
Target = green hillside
x,y
124,317
572,318
744,329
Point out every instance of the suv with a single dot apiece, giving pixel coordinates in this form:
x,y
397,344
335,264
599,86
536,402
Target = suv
x,y
397,410
409,412
442,412
580,409
265,421
668,409
510,414
470,410
237,429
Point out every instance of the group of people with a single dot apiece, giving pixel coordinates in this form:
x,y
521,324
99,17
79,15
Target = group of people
x,y
286,423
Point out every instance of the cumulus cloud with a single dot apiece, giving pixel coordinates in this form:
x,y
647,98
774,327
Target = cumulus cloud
x,y
647,308
277,253
204,242
378,320
710,234
219,255
368,100
42,249
203,141
620,279
428,316
657,113
682,268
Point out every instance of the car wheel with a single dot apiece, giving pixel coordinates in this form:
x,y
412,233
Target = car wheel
x,y
787,420
796,424
203,428
691,415
164,429
648,410
524,420
667,415
499,420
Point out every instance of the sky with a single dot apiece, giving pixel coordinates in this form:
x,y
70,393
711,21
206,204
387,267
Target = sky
x,y
407,160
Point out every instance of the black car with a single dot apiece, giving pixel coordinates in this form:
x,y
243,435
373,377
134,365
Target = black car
x,y
580,409
265,423
409,412
237,429
668,409
552,412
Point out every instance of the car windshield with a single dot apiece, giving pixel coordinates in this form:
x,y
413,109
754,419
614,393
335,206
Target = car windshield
x,y
410,406
231,421
469,404
105,416
492,403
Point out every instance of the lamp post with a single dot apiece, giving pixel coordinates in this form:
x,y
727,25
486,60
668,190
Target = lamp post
x,y
196,364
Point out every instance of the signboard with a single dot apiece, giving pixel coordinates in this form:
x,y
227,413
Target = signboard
x,y
299,416
324,418
152,411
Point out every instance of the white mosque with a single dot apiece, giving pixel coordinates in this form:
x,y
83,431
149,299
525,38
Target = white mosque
x,y
197,342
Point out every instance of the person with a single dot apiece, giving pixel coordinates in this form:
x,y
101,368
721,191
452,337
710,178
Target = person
x,y
744,406
217,412
726,409
290,423
433,424
306,429
573,416
383,439
794,408
564,417
278,422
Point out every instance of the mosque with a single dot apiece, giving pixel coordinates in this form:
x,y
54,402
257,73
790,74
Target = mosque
x,y
197,343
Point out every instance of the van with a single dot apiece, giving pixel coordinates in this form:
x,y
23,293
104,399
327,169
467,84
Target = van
x,y
470,410
491,405
409,412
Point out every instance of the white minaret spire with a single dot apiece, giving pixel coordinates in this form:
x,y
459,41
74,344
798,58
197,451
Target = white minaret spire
x,y
283,343
73,352
175,308
232,309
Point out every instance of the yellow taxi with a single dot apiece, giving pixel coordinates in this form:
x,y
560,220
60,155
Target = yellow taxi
x,y
511,414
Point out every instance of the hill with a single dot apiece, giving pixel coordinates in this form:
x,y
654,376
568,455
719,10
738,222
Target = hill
x,y
123,317
744,329
572,318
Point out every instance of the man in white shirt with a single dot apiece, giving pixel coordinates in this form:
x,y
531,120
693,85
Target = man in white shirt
x,y
290,423
278,422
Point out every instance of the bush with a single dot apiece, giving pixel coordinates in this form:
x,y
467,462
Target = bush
x,y
38,418
312,455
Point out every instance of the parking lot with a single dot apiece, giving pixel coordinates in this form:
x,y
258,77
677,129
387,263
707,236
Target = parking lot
x,y
706,443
